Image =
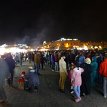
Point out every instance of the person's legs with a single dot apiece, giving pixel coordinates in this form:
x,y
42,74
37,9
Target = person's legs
x,y
2,94
12,76
77,92
53,66
37,68
62,80
78,89
56,66
72,89
105,87
83,89
88,88
36,89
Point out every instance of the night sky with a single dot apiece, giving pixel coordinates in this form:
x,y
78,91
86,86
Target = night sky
x,y
33,21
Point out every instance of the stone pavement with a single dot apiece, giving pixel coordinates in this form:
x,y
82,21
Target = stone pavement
x,y
48,95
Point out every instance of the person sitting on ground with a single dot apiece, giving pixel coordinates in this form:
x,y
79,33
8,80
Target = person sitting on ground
x,y
33,80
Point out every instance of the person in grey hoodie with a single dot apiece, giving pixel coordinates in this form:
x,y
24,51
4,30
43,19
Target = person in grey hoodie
x,y
4,73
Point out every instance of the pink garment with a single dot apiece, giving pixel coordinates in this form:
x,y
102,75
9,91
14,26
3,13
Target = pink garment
x,y
76,76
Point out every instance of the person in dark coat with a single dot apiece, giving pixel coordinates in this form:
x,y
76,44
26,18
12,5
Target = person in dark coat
x,y
86,77
11,65
33,80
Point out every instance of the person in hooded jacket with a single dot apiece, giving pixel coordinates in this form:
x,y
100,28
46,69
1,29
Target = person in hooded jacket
x,y
94,67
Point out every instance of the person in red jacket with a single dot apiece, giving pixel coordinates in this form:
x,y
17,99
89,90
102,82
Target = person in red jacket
x,y
103,72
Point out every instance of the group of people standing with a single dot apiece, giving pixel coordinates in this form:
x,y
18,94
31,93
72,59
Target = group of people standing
x,y
84,69
85,73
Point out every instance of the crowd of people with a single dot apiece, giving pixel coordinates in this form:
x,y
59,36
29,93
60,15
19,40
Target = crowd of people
x,y
84,69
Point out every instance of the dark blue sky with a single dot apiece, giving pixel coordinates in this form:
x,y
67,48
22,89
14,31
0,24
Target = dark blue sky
x,y
35,21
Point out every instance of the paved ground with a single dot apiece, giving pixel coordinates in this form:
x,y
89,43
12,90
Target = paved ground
x,y
48,95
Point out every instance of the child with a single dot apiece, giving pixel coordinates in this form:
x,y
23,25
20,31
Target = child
x,y
21,81
71,72
77,81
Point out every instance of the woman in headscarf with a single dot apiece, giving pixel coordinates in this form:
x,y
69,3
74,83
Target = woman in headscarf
x,y
86,77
